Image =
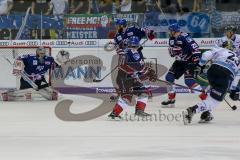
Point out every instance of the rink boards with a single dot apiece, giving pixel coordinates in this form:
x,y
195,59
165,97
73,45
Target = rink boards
x,y
91,61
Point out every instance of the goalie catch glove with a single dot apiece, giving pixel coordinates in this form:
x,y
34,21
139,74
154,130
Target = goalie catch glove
x,y
62,57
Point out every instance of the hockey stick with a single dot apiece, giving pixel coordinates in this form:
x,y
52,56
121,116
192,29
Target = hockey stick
x,y
99,80
234,107
179,85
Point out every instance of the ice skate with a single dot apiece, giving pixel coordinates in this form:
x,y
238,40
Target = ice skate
x,y
141,113
113,116
206,117
188,114
168,103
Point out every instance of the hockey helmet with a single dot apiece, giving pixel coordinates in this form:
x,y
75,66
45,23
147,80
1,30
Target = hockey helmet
x,y
230,28
134,41
121,22
174,27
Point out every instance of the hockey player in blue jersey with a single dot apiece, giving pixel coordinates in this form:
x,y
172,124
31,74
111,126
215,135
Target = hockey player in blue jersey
x,y
36,66
124,32
223,76
187,54
132,71
32,70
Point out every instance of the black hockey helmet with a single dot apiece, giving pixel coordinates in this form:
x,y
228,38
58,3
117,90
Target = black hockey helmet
x,y
230,28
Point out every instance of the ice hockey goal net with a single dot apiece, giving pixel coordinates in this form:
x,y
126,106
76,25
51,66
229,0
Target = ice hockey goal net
x,y
7,56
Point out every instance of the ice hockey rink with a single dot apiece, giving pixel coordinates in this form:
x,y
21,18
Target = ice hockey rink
x,y
32,131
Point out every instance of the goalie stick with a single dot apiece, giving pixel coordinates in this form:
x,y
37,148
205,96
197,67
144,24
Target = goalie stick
x,y
234,107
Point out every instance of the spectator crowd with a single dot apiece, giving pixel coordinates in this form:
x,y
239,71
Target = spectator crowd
x,y
61,7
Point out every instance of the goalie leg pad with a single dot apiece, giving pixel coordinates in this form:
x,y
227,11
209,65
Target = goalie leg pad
x,y
16,95
5,96
48,93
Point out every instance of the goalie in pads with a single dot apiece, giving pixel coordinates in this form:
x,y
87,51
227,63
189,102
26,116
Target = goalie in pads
x,y
31,69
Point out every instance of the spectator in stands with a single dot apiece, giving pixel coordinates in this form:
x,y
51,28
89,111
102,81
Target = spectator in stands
x,y
169,7
39,6
153,5
105,6
5,34
183,7
197,5
138,6
58,7
20,6
5,6
175,6
126,6
93,6
78,7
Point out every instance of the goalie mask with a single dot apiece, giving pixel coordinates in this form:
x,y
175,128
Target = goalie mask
x,y
41,53
62,56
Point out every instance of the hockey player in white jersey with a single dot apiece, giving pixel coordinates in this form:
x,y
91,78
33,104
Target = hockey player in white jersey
x,y
223,76
231,37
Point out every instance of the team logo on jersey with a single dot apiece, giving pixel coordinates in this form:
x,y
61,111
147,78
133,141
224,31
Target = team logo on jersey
x,y
130,33
171,42
179,42
35,62
47,63
119,38
136,56
184,34
189,39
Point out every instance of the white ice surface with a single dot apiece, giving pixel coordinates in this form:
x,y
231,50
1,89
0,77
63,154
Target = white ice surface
x,y
31,131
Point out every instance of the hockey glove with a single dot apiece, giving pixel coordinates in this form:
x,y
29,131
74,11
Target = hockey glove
x,y
195,57
140,49
198,70
175,51
234,94
151,35
152,75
